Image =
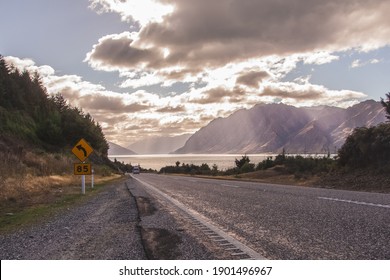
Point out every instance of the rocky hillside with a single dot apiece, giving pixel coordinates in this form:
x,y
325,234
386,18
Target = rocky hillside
x,y
272,127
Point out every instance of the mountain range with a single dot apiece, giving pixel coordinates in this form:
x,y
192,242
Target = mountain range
x,y
159,145
274,127
115,149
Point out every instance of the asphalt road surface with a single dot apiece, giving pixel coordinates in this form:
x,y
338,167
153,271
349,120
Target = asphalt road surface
x,y
287,222
121,221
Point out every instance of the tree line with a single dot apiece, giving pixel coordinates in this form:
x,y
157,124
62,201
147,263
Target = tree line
x,y
29,113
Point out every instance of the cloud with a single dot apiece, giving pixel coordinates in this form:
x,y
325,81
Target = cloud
x,y
139,79
358,63
115,52
220,95
319,58
310,95
292,91
252,78
29,65
109,103
226,55
222,75
233,54
142,11
215,33
170,109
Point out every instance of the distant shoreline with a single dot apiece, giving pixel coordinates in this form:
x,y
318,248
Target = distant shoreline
x,y
223,161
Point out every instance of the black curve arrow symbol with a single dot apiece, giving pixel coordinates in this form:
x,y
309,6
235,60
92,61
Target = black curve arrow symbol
x,y
80,148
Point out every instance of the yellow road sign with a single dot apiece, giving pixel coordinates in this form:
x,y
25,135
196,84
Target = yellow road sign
x,y
82,169
82,150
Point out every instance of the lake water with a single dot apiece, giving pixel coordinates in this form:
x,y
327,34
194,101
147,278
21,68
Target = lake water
x,y
223,161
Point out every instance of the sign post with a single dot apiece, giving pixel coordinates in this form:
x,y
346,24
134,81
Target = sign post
x,y
82,150
93,172
83,184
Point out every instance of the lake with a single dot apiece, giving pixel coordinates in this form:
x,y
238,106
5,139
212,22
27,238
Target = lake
x,y
223,161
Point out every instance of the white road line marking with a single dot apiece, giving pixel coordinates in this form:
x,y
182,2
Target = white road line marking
x,y
227,185
231,249
238,254
355,202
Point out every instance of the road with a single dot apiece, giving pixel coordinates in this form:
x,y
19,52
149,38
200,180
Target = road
x,y
105,226
286,222
121,221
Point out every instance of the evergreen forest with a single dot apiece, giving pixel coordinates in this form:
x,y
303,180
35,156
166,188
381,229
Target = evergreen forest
x,y
29,114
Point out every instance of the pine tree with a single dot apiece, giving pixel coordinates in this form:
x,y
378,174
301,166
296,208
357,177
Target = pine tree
x,y
386,104
240,163
27,111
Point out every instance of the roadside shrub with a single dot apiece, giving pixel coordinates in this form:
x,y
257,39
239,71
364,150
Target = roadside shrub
x,y
203,169
309,165
265,164
366,147
247,167
231,171
241,162
214,170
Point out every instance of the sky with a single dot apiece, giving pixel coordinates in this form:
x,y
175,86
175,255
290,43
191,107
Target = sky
x,y
145,68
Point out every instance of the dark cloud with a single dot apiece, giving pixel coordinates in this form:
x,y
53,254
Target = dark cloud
x,y
111,104
238,95
252,78
117,51
220,94
170,109
293,93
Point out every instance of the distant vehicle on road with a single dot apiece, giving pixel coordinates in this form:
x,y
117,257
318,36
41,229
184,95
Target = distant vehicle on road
x,y
136,169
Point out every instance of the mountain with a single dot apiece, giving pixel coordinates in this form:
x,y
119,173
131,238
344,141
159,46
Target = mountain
x,y
368,113
159,145
118,150
272,127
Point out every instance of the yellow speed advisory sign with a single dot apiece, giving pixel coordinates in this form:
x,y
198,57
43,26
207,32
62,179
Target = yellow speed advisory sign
x,y
82,150
82,169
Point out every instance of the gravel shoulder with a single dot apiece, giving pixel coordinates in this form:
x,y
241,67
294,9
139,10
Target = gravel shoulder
x,y
122,221
103,227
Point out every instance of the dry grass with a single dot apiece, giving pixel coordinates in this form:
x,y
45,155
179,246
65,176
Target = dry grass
x,y
358,180
34,183
31,190
30,177
274,175
40,197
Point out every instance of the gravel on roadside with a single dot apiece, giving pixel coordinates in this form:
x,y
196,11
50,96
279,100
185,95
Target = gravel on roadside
x,y
121,222
104,227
